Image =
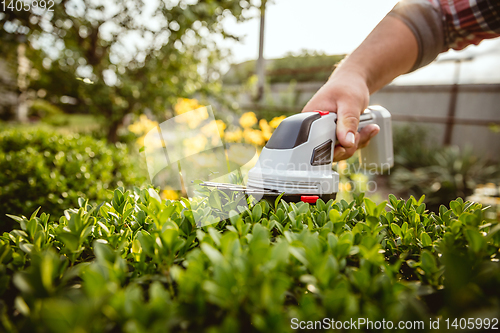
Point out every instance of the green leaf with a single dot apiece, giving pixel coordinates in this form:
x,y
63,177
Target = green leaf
x,y
21,306
215,235
396,229
442,210
393,200
420,209
334,216
280,252
214,200
456,207
147,242
476,241
212,253
299,254
103,252
31,227
320,205
428,262
136,246
303,208
372,221
277,201
256,213
81,202
169,237
15,218
154,194
426,239
381,208
71,241
321,218
469,219
371,207
47,271
35,213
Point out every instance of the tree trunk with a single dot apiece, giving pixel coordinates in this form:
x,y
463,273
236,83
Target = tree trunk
x,y
23,68
260,61
113,131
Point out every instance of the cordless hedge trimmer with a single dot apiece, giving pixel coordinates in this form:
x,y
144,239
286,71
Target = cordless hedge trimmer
x,y
297,160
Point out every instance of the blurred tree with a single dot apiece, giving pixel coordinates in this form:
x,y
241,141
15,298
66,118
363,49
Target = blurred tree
x,y
306,66
8,95
112,58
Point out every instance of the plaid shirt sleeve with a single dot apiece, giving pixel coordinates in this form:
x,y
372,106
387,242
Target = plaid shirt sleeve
x,y
468,22
439,25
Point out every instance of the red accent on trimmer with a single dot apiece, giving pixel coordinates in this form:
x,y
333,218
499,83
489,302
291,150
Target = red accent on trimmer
x,y
322,113
309,198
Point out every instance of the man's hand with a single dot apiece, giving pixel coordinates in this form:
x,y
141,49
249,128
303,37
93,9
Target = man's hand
x,y
347,96
390,50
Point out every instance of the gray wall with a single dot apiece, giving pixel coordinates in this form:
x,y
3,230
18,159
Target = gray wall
x,y
475,103
476,106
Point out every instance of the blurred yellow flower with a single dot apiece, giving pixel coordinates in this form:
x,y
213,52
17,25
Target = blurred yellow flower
x,y
214,131
267,130
345,187
140,141
276,121
169,194
195,145
234,136
359,177
341,166
184,105
194,118
254,136
221,126
248,119
360,181
142,126
209,129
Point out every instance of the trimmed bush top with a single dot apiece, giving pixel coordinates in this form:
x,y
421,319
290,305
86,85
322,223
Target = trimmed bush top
x,y
139,264
45,168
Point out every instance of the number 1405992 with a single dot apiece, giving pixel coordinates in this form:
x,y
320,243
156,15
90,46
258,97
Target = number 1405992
x,y
472,323
27,5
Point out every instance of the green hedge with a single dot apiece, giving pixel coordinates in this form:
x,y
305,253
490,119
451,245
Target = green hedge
x,y
45,168
136,264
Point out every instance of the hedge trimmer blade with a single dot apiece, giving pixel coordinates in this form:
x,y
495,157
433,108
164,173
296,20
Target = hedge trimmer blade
x,y
266,194
240,188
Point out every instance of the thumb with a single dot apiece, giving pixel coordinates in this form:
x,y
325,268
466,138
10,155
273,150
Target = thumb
x,y
347,124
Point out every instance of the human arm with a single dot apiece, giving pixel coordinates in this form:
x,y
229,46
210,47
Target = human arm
x,y
391,49
410,37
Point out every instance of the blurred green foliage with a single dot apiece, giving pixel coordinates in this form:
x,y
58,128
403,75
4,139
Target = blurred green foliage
x,y
413,146
305,67
113,58
40,108
42,167
441,173
139,264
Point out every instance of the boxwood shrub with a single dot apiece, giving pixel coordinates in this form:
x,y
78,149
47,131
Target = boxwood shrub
x,y
140,264
41,167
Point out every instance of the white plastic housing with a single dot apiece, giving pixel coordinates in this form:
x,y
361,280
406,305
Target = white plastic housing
x,y
292,171
379,153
